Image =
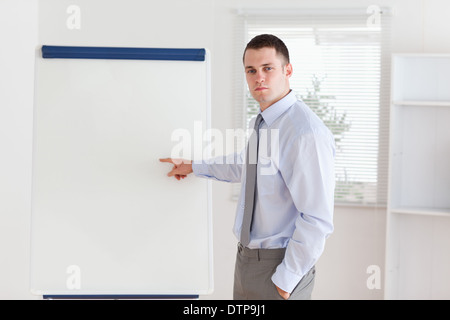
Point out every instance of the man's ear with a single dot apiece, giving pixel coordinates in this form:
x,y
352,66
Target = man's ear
x,y
288,70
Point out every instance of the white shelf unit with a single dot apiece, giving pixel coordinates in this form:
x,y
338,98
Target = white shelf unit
x,y
418,221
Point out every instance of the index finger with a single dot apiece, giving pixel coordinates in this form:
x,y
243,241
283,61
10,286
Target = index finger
x,y
169,160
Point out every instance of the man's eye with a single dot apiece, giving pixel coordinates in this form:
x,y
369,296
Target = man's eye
x,y
268,68
251,71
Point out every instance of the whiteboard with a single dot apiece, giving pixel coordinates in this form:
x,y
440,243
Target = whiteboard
x,y
106,219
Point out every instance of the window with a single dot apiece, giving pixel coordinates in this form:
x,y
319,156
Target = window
x,y
341,71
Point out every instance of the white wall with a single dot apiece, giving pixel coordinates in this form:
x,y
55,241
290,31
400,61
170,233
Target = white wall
x,y
359,237
18,31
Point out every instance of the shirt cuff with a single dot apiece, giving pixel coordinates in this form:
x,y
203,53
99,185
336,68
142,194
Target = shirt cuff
x,y
284,279
200,169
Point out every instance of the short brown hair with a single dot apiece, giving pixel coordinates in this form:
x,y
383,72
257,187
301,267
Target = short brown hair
x,y
268,41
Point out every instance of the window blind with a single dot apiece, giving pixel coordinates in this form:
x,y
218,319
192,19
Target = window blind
x,y
341,68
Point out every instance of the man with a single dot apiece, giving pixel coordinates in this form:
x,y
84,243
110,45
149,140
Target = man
x,y
291,202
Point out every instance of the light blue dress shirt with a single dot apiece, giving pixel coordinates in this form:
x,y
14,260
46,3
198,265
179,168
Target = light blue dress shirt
x,y
295,187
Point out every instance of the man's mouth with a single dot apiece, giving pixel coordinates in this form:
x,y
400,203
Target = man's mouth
x,y
261,88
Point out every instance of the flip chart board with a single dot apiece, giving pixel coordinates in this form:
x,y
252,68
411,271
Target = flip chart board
x,y
106,219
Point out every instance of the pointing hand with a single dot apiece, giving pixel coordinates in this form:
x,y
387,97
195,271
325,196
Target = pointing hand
x,y
181,167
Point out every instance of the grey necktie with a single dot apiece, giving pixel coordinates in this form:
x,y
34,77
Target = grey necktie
x,y
250,182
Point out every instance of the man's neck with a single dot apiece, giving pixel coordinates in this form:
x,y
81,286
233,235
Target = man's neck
x,y
265,106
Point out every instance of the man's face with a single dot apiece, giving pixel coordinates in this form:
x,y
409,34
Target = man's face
x,y
267,75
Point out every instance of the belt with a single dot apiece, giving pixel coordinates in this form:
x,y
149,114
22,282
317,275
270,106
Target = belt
x,y
261,253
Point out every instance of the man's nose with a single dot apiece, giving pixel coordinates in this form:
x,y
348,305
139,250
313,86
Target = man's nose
x,y
260,77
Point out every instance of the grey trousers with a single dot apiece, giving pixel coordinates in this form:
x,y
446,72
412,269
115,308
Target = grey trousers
x,y
253,271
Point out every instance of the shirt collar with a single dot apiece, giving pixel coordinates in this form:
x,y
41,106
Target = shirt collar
x,y
278,108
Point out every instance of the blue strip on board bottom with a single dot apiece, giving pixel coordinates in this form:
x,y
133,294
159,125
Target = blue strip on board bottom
x,y
118,297
63,52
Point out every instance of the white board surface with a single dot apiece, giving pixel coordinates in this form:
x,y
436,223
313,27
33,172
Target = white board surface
x,y
106,219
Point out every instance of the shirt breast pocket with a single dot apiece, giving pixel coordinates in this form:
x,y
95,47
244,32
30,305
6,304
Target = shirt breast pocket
x,y
267,175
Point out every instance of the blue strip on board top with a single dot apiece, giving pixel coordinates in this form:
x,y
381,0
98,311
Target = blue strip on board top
x,y
64,52
112,296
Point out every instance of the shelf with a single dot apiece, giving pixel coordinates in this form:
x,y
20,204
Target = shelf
x,y
422,55
415,103
418,214
437,212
